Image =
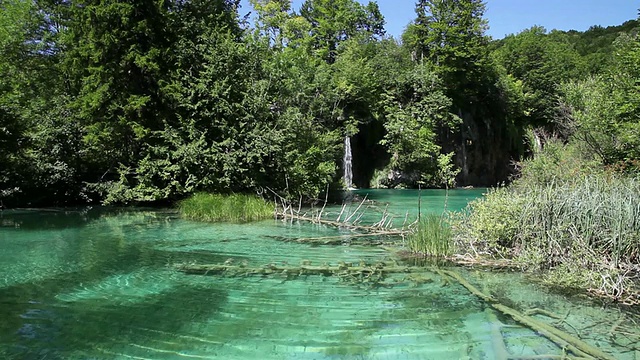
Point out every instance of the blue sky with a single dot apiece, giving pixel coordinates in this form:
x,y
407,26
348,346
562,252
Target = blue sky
x,y
511,16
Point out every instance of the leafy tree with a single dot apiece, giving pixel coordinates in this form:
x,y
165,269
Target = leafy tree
x,y
275,20
243,121
449,38
14,22
605,108
39,136
450,35
542,64
331,81
596,45
416,112
148,101
301,99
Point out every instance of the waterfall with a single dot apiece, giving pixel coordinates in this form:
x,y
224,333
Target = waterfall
x,y
346,163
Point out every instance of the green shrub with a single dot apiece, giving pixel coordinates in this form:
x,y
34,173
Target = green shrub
x,y
229,208
575,231
558,163
603,212
432,237
493,221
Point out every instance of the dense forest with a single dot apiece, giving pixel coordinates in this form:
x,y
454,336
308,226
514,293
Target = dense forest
x,y
125,102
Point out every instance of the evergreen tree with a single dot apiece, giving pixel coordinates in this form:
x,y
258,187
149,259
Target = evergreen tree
x,y
334,21
449,34
187,120
118,52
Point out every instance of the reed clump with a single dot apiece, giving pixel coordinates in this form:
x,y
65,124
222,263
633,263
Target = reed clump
x,y
432,237
226,208
583,233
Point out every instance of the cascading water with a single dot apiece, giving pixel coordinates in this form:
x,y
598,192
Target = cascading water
x,y
346,163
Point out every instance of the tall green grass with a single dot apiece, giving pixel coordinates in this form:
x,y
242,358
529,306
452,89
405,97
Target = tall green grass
x,y
583,231
225,208
431,237
600,212
568,217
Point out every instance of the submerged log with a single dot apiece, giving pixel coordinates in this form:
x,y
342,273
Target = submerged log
x,y
304,269
377,272
370,275
560,338
349,239
548,357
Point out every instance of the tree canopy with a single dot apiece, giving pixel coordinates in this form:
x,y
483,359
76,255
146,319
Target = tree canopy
x,y
150,101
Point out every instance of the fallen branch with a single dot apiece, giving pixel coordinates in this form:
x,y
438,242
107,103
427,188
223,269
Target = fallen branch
x,y
345,239
325,270
376,229
537,311
559,337
286,212
479,261
356,210
631,297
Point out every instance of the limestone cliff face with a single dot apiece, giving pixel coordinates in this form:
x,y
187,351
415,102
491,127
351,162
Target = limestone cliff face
x,y
485,150
368,154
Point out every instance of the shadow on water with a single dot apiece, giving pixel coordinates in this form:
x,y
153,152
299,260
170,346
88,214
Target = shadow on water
x,y
97,289
54,330
64,218
54,219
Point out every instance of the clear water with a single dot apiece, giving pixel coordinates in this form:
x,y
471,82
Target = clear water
x,y
98,284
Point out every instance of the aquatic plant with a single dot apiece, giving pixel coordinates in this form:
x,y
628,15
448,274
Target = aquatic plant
x,y
583,233
230,208
431,237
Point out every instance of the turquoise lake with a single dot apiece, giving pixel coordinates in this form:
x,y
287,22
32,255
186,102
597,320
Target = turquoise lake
x,y
100,284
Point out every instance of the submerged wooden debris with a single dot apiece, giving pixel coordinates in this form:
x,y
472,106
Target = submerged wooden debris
x,y
376,273
562,339
347,218
364,269
366,274
367,239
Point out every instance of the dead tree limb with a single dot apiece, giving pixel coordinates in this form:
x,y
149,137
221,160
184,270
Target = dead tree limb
x,y
560,338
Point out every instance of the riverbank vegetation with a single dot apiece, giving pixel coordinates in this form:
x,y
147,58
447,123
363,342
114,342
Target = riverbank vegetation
x,y
431,237
228,208
149,103
571,216
578,227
